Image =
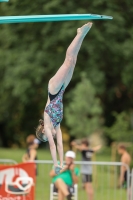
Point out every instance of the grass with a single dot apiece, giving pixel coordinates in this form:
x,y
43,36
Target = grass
x,y
104,177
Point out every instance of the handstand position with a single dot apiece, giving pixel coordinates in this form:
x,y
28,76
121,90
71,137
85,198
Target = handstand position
x,y
53,112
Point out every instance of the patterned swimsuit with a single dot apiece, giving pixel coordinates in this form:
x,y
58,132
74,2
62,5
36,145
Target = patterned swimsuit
x,y
55,107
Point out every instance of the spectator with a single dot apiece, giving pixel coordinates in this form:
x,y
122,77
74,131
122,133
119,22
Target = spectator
x,y
86,170
31,153
64,181
125,158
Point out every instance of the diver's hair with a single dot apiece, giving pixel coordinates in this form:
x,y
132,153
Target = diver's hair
x,y
40,127
122,146
30,139
41,122
85,142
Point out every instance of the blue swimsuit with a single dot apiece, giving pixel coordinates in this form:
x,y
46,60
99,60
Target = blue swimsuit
x,y
55,107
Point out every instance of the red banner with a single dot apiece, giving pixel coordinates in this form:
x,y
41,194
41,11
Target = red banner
x,y
17,182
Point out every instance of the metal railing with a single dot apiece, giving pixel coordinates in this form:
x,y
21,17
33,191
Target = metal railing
x,y
105,180
7,161
131,186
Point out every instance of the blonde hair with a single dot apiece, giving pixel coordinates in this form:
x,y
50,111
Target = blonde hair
x,y
39,128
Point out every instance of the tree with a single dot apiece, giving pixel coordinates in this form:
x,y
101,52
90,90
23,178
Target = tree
x,y
83,113
31,53
121,129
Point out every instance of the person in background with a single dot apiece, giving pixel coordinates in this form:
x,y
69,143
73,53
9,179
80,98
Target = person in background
x,y
63,182
125,158
31,153
86,170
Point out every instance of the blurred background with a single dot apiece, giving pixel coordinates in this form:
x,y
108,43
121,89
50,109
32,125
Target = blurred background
x,y
98,102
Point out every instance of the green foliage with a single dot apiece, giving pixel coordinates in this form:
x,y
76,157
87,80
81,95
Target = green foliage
x,y
120,130
31,53
83,113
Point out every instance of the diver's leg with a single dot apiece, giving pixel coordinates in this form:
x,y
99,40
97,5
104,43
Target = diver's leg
x,y
64,74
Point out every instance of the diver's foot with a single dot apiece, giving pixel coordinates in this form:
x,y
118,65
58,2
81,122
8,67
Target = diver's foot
x,y
57,169
84,29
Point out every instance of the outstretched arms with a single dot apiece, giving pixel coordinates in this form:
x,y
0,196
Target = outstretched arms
x,y
73,143
80,147
59,144
48,132
97,148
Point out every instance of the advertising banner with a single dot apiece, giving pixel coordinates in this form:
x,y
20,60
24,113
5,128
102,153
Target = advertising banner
x,y
17,182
